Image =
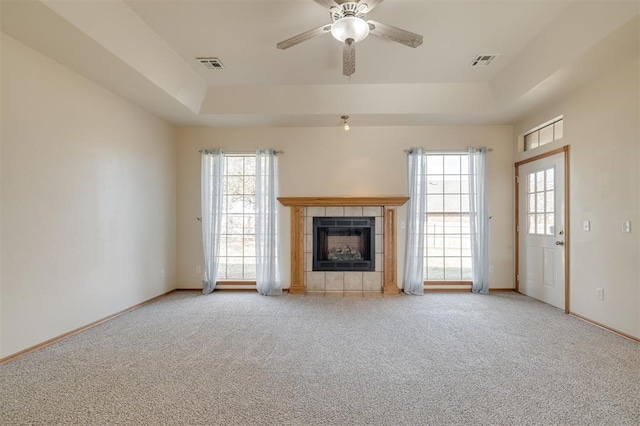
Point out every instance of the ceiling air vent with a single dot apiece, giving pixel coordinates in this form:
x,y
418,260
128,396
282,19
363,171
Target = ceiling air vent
x,y
211,63
483,60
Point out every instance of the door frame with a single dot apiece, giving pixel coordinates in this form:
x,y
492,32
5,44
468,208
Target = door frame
x,y
565,151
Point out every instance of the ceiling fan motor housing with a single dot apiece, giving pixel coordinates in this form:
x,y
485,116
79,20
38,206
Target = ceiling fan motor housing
x,y
349,8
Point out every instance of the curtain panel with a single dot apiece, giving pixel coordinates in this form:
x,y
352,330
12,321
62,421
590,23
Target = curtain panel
x,y
416,222
479,219
268,280
211,198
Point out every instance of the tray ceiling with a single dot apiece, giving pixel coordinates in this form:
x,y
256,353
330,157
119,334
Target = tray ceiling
x,y
146,51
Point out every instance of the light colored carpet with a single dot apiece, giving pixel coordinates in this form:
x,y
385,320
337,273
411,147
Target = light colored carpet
x,y
241,359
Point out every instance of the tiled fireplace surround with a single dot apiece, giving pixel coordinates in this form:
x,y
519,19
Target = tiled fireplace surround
x,y
348,281
305,280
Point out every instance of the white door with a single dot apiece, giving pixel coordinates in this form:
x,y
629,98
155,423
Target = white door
x,y
541,271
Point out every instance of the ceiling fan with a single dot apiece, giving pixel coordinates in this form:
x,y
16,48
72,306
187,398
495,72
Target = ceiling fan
x,y
350,27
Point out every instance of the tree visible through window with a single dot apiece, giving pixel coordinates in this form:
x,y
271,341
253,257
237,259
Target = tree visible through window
x,y
238,242
448,238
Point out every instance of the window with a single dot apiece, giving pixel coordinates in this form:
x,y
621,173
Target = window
x,y
540,204
544,135
448,236
238,241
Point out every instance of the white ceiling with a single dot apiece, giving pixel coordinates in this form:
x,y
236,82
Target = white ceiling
x,y
145,50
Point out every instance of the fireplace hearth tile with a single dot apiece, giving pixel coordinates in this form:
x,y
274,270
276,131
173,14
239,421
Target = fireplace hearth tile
x,y
315,281
334,281
308,262
371,281
353,281
379,246
308,243
379,225
379,263
372,211
315,211
353,211
334,211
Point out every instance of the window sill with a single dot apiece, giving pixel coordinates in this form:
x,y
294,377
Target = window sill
x,y
239,282
428,283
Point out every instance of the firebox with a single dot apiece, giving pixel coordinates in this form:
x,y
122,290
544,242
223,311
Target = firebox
x,y
344,244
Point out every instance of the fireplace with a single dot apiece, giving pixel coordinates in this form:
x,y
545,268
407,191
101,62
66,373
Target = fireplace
x,y
344,244
382,279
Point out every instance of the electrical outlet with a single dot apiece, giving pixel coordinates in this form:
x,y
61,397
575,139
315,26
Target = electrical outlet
x,y
599,293
198,269
161,273
586,225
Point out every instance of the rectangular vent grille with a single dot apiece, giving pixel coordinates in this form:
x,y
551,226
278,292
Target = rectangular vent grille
x,y
483,60
211,63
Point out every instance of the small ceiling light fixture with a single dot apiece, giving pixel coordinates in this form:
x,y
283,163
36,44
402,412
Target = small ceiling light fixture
x,y
344,121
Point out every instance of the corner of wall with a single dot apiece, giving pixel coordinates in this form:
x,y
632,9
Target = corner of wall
x,y
1,139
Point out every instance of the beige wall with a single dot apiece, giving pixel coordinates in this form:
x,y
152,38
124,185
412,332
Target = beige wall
x,y
1,118
332,162
601,126
88,201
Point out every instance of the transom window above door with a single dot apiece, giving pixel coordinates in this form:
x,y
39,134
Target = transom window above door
x,y
544,134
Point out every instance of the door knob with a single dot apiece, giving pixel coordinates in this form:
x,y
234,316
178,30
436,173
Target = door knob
x,y
559,243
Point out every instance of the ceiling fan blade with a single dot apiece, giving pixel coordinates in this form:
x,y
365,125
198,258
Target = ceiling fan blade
x,y
396,34
349,58
327,3
304,36
371,4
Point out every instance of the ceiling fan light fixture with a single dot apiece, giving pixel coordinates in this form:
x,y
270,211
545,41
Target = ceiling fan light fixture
x,y
350,27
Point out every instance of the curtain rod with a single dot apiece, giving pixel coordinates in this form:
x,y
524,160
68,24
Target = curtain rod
x,y
445,151
277,152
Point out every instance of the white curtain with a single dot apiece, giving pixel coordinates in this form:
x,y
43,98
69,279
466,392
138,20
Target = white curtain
x,y
211,197
268,279
479,219
416,222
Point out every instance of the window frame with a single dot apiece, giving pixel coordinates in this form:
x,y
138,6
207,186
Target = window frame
x,y
554,125
225,280
541,202
463,195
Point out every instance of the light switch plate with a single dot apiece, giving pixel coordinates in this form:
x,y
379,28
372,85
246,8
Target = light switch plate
x,y
626,226
586,225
